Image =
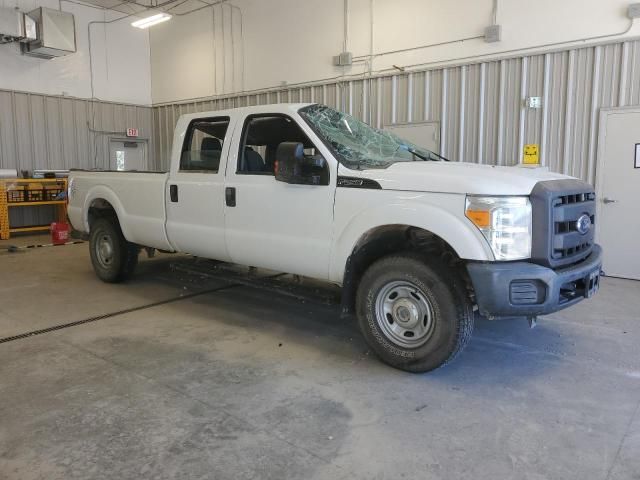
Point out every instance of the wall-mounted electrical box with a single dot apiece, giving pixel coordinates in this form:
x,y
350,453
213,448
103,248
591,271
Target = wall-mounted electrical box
x,y
343,60
633,11
493,33
15,26
56,34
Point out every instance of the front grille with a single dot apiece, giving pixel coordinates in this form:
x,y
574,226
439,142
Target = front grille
x,y
557,206
576,198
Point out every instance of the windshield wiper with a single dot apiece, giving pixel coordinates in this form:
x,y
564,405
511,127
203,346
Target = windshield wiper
x,y
428,157
419,155
440,157
411,151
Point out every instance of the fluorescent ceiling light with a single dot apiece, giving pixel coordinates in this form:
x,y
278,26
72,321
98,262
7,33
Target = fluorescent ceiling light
x,y
152,20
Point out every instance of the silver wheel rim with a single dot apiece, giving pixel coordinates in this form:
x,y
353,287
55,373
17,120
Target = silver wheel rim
x,y
104,250
404,314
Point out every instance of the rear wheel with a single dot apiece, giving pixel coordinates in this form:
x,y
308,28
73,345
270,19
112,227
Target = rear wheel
x,y
415,316
113,258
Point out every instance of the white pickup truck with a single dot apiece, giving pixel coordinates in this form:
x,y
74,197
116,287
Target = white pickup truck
x,y
419,245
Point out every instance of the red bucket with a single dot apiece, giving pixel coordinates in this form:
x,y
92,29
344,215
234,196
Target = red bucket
x,y
59,233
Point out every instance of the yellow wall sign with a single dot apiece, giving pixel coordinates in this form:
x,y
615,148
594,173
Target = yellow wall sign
x,y
531,156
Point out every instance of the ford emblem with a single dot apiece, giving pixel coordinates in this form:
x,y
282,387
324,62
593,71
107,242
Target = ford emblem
x,y
583,224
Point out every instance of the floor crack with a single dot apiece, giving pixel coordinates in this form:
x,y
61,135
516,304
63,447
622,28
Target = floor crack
x,y
624,438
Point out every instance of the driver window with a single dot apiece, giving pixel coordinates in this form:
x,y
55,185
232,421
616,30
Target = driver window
x,y
260,139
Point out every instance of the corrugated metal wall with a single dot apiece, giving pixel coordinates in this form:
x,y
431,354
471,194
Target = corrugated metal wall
x,y
480,106
40,131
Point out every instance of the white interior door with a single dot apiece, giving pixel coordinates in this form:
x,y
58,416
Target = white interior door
x,y
127,155
618,184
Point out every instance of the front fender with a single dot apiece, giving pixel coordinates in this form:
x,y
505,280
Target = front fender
x,y
440,214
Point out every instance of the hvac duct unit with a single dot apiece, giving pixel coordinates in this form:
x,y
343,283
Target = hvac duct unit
x,y
56,34
15,26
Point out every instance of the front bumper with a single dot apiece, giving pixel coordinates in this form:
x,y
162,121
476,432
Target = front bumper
x,y
523,289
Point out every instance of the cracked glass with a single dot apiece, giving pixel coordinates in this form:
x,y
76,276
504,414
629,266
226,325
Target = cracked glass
x,y
358,145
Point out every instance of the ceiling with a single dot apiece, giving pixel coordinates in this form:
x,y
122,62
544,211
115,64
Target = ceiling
x,y
177,7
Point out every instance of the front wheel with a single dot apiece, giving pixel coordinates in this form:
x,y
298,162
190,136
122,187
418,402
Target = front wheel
x,y
113,258
415,316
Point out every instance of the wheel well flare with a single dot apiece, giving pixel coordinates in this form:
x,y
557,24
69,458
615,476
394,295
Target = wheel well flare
x,y
381,241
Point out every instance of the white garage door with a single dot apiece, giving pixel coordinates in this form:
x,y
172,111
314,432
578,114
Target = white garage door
x,y
618,188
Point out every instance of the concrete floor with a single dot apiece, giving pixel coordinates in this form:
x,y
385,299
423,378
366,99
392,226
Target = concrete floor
x,y
244,383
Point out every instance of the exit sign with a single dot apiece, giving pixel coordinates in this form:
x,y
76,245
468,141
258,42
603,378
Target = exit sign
x,y
132,132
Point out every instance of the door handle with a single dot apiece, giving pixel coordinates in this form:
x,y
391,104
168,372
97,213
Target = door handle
x,y
173,193
609,200
230,196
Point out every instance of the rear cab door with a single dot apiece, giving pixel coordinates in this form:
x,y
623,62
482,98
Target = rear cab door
x,y
269,223
195,190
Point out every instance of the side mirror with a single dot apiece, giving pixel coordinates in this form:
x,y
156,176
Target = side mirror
x,y
291,166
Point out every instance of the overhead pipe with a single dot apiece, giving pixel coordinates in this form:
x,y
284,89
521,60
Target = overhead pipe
x,y
525,50
369,73
91,126
146,8
372,55
345,44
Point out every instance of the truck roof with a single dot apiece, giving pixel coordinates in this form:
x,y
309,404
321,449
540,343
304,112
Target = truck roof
x,y
288,108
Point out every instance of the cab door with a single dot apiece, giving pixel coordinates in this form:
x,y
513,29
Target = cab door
x,y
268,223
195,190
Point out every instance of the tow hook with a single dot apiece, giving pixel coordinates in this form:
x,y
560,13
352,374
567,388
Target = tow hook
x,y
533,321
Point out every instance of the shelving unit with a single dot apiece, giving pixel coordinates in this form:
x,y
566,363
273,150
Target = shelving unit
x,y
19,192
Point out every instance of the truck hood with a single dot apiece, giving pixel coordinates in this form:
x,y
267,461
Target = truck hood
x,y
456,177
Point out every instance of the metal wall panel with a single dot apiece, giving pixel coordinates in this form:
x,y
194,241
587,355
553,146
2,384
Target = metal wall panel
x,y
480,106
40,131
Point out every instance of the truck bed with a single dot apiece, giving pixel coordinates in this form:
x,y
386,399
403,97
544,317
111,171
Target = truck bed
x,y
137,197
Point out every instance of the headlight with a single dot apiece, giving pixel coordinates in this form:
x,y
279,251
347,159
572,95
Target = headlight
x,y
505,222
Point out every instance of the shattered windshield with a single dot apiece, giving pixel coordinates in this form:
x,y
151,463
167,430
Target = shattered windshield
x,y
358,145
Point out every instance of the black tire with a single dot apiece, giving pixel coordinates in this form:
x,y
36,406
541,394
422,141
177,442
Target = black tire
x,y
438,313
122,258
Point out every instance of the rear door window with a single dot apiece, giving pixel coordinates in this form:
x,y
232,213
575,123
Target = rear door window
x,y
202,148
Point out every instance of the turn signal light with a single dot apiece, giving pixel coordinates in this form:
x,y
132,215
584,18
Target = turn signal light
x,y
481,218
